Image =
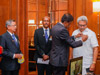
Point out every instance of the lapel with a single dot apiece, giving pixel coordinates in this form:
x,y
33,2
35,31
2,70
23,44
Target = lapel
x,y
17,40
10,38
42,34
49,35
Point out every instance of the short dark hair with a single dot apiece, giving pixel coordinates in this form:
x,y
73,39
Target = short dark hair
x,y
67,17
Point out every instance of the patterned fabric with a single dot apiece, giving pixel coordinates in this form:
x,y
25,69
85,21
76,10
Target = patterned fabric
x,y
46,35
14,38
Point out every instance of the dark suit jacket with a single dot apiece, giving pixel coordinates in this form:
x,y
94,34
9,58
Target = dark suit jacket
x,y
61,41
8,62
40,43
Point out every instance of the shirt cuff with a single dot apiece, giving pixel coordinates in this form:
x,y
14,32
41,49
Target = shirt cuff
x,y
13,56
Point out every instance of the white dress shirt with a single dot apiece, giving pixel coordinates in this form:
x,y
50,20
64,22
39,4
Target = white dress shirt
x,y
48,31
87,49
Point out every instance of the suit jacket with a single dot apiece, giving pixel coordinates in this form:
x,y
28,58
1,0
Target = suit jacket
x,y
40,43
61,41
8,62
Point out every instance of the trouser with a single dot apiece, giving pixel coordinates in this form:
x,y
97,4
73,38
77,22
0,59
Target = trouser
x,y
44,68
15,72
59,70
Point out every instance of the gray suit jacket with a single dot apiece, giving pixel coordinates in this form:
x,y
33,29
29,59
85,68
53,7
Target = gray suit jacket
x,y
61,41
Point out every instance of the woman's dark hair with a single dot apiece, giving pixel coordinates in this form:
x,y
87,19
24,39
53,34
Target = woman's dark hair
x,y
67,17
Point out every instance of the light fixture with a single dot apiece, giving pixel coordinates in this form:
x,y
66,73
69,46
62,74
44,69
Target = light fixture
x,y
40,22
96,8
31,22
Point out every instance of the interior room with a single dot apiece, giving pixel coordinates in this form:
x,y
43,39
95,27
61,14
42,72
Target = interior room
x,y
28,15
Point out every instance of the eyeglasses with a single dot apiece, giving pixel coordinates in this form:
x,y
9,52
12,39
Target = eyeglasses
x,y
82,25
13,25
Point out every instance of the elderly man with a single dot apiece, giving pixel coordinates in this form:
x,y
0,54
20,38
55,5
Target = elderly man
x,y
11,50
89,50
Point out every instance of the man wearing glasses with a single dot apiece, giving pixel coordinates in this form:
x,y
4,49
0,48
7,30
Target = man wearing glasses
x,y
11,50
89,50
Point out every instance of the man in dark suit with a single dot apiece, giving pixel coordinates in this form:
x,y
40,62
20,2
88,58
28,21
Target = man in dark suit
x,y
42,41
61,41
11,53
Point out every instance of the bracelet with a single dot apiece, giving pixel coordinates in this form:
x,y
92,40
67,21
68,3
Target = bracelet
x,y
94,62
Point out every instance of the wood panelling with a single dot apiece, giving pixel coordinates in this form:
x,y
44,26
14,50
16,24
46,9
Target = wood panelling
x,y
23,32
71,8
18,10
4,14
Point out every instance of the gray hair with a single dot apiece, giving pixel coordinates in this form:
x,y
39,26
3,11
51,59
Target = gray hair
x,y
82,18
9,22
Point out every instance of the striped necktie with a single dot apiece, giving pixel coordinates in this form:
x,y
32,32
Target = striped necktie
x,y
15,41
46,35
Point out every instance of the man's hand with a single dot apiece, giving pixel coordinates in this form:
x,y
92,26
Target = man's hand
x,y
45,57
84,37
92,67
18,56
78,35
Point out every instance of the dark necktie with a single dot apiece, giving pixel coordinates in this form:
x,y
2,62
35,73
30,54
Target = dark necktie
x,y
15,41
46,35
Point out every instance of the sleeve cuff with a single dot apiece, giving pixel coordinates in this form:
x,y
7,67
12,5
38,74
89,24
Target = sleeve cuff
x,y
14,56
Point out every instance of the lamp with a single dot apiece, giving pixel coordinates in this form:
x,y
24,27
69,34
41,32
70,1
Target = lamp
x,y
96,8
31,21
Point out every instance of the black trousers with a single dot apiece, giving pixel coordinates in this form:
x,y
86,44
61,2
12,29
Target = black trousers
x,y
15,72
59,70
44,68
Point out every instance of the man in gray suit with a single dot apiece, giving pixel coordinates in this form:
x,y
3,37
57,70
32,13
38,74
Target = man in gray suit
x,y
61,41
12,52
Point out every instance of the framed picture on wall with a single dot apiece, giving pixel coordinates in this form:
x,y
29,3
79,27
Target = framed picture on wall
x,y
76,66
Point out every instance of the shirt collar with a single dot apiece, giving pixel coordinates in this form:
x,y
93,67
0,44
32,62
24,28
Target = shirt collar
x,y
86,30
61,23
45,29
10,33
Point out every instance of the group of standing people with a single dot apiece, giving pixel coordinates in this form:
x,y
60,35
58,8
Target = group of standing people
x,y
51,45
